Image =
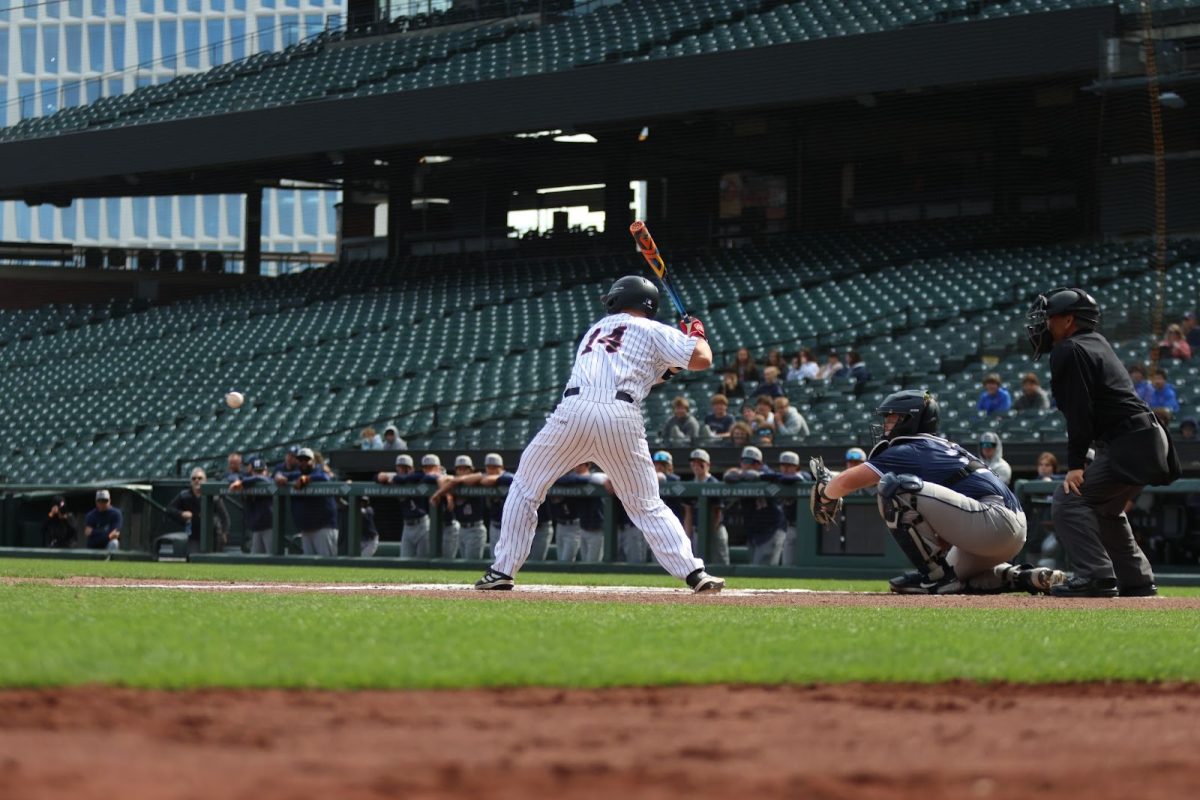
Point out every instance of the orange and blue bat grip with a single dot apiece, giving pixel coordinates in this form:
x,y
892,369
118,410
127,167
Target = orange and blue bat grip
x,y
649,250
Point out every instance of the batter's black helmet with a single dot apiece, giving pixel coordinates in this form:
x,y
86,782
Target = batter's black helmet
x,y
918,414
632,291
1059,301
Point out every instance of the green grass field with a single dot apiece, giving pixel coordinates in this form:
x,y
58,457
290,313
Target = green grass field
x,y
57,635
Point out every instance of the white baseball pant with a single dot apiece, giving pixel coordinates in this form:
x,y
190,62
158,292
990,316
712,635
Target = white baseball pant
x,y
593,426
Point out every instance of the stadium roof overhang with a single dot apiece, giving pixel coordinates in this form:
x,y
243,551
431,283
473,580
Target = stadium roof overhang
x,y
324,140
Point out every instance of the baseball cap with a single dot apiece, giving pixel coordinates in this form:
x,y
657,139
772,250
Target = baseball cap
x,y
304,452
788,457
257,463
294,449
751,454
989,440
404,460
102,495
463,461
1190,315
700,455
663,455
493,460
856,454
430,460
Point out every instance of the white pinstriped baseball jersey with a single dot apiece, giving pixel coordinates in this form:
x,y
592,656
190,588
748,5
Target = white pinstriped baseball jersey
x,y
626,353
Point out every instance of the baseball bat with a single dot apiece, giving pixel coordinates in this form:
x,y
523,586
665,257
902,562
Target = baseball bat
x,y
649,250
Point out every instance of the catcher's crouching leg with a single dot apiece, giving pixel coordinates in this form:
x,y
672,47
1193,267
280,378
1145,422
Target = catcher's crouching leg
x,y
898,507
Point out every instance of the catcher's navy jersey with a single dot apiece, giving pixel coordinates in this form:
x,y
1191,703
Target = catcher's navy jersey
x,y
939,461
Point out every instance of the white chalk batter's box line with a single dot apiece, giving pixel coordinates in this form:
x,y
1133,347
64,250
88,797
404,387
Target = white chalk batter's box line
x,y
349,588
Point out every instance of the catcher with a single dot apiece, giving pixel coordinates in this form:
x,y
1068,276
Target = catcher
x,y
954,519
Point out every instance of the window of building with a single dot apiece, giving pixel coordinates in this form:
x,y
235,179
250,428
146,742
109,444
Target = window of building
x,y
143,81
29,49
171,6
117,34
194,6
292,3
286,208
239,5
52,9
187,216
191,42
73,45
74,8
50,49
70,94
3,52
31,10
313,24
45,215
310,210
237,38
27,92
112,214
24,220
91,218
167,47
216,41
99,8
93,89
119,7
49,97
141,217
95,41
212,216
331,201
116,86
218,5
163,222
145,38
289,27
147,6
67,219
266,33
234,204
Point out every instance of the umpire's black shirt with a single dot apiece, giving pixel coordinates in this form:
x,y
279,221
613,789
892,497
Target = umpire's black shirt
x,y
1093,391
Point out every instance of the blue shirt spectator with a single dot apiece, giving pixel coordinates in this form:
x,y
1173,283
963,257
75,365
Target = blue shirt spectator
x,y
1162,394
995,398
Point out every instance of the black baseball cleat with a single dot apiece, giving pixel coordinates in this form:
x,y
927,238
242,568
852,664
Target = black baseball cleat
x,y
1086,587
703,583
1141,590
917,583
494,581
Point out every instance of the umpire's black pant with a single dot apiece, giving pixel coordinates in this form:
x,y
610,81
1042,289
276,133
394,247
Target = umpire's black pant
x,y
1094,530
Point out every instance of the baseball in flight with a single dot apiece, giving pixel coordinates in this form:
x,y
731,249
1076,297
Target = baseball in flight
x,y
234,399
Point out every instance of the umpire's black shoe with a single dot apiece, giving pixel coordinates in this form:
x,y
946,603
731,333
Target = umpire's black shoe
x,y
1086,587
1141,590
908,583
494,580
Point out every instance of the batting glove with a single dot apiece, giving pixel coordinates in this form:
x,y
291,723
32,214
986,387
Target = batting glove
x,y
693,327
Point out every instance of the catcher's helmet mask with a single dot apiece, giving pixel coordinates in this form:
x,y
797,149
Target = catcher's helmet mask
x,y
1062,300
632,291
918,412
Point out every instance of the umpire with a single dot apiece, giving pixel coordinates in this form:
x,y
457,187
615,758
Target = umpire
x,y
1095,394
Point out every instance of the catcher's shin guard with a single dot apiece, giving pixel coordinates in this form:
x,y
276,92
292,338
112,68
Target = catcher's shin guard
x,y
898,507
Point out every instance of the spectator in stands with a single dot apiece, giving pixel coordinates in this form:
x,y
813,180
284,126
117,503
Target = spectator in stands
x,y
234,470
775,359
740,434
718,536
392,440
184,508
60,528
765,526
730,385
315,515
1142,387
1163,395
1175,344
995,399
1191,331
745,366
682,427
370,531
1187,429
764,434
720,420
1047,466
788,421
991,452
257,510
804,367
770,386
1032,397
833,368
858,371
764,411
102,525
369,439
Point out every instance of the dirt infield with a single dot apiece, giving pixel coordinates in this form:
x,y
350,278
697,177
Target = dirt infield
x,y
631,594
850,741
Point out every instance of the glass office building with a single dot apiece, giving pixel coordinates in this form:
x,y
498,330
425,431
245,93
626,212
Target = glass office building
x,y
69,52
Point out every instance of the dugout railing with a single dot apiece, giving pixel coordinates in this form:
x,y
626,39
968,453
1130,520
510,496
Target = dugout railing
x,y
858,541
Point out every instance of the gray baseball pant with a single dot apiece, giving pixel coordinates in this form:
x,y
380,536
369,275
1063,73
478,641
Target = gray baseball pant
x,y
415,541
321,542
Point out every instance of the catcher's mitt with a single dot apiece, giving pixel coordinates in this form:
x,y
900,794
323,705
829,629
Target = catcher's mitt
x,y
824,509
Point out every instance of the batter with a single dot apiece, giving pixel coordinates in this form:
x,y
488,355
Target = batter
x,y
600,420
